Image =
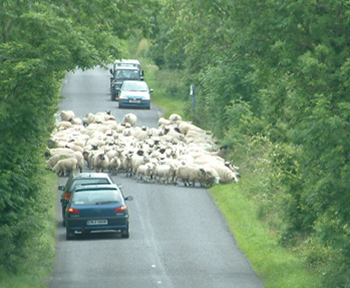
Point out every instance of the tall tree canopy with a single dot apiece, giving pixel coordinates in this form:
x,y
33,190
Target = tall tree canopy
x,y
40,40
277,68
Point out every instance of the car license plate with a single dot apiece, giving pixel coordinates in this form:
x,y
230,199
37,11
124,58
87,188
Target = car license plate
x,y
135,101
97,222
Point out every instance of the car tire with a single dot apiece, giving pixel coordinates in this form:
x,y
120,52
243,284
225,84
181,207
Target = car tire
x,y
70,235
63,216
126,232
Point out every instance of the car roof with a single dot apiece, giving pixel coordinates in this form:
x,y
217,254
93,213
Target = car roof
x,y
91,175
126,68
133,61
81,188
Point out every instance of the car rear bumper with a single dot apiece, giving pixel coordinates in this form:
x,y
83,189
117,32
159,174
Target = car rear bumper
x,y
140,104
81,224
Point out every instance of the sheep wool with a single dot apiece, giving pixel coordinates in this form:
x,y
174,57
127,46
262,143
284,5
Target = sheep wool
x,y
65,167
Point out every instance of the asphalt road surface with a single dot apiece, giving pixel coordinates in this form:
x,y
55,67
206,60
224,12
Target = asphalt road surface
x,y
178,236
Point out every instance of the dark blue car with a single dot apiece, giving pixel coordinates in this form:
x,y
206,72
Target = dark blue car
x,y
97,208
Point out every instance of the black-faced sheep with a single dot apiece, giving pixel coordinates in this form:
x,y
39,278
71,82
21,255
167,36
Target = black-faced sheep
x,y
190,174
101,162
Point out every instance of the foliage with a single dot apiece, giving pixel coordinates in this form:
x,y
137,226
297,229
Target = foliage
x,y
278,69
40,40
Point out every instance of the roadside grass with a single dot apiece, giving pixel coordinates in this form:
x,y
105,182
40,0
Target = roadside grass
x,y
277,267
34,269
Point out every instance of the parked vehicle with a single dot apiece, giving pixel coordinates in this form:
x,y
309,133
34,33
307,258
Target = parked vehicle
x,y
135,94
96,208
75,180
124,70
127,63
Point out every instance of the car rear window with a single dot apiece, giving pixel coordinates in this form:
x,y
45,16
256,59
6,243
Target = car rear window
x,y
97,197
88,181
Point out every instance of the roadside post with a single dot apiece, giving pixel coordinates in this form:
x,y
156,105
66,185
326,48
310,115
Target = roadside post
x,y
192,93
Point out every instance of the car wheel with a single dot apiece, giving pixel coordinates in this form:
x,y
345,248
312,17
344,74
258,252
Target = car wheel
x,y
70,235
126,232
63,215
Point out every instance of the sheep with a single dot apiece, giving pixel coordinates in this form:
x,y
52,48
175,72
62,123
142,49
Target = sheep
x,y
65,167
74,147
80,160
138,160
64,125
212,176
114,165
190,174
225,173
145,172
140,133
175,118
52,161
101,162
60,151
76,121
163,122
127,164
185,127
67,115
164,174
130,118
174,142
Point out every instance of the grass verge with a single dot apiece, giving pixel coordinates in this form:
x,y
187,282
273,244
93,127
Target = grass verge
x,y
34,270
276,266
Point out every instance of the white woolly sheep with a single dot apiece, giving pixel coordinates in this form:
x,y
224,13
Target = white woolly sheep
x,y
101,162
190,174
114,165
67,115
52,161
127,164
175,118
164,174
225,173
65,167
145,172
130,118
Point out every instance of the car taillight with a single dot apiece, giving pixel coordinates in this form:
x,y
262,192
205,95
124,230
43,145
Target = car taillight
x,y
67,196
72,210
120,209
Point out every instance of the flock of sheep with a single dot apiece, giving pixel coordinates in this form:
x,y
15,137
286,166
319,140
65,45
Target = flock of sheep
x,y
176,151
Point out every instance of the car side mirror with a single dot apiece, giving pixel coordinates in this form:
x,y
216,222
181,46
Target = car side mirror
x,y
151,90
142,73
129,198
61,188
111,71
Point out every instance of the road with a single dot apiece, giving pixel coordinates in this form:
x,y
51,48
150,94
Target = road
x,y
178,236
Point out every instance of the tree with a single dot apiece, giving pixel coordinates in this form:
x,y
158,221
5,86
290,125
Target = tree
x,y
40,41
